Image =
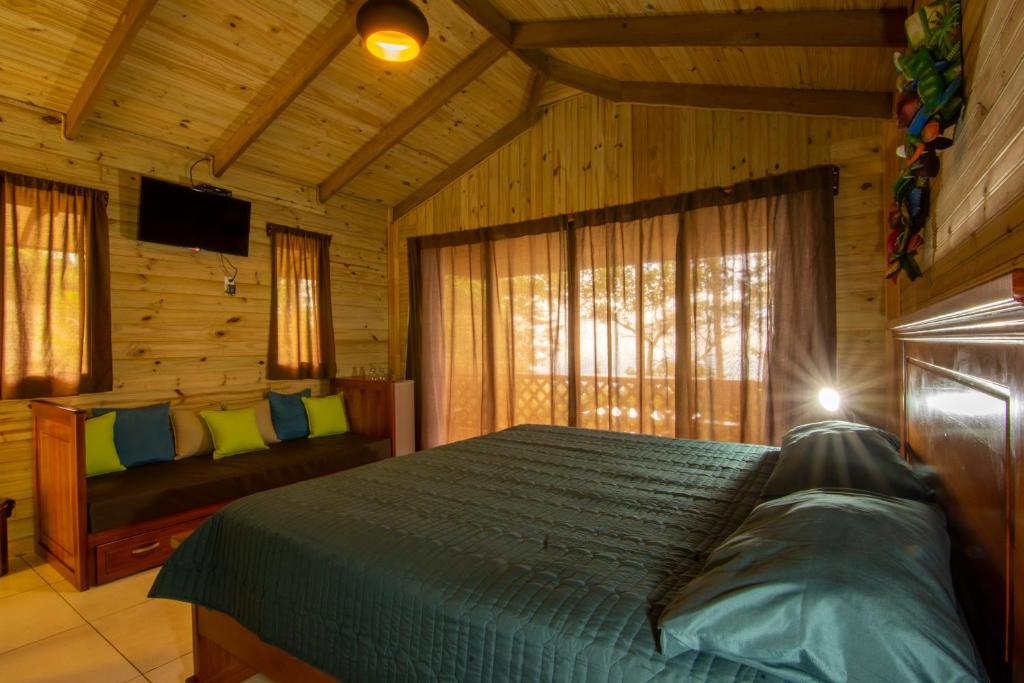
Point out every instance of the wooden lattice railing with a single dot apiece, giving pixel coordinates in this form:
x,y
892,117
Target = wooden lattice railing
x,y
623,404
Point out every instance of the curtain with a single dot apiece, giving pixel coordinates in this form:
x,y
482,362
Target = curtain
x,y
301,324
706,315
56,289
494,335
802,348
758,307
626,330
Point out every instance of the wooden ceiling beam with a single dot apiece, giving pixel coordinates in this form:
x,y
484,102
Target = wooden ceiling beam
x,y
433,99
129,22
530,114
843,103
584,79
839,103
488,16
836,103
534,91
274,101
852,28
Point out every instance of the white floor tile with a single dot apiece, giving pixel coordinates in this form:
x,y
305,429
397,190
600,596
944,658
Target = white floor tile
x,y
19,579
100,601
33,615
173,672
150,634
43,568
78,655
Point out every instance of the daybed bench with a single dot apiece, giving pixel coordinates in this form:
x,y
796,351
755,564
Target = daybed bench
x,y
109,526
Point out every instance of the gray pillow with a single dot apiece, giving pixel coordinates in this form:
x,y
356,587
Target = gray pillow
x,y
844,455
839,426
829,585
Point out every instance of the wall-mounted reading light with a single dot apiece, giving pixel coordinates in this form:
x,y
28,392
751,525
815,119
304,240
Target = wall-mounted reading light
x,y
829,399
393,30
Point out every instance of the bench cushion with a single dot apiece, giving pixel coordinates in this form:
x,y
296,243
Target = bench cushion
x,y
150,491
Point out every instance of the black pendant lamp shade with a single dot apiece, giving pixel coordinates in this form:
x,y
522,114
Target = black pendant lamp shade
x,y
393,30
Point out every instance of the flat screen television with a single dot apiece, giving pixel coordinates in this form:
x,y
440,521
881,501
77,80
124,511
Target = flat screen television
x,y
183,217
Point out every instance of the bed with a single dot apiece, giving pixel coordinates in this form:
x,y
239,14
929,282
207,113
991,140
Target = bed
x,y
542,550
547,553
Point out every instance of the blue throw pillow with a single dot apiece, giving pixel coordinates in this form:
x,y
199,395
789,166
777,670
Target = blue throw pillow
x,y
289,415
142,435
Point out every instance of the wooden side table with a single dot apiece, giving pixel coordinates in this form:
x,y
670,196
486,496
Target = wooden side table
x,y
380,407
6,509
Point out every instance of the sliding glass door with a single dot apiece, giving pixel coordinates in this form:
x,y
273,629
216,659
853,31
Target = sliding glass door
x,y
709,315
495,336
625,325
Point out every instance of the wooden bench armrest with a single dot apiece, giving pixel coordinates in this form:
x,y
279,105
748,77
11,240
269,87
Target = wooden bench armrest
x,y
58,443
43,407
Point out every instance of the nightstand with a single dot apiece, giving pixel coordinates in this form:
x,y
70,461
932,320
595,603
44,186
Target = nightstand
x,y
380,407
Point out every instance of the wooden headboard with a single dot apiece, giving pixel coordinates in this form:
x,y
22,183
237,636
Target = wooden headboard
x,y
962,421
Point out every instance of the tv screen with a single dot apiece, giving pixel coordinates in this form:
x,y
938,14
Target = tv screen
x,y
183,217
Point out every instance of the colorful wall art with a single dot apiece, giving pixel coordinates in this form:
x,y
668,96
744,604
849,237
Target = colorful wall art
x,y
930,86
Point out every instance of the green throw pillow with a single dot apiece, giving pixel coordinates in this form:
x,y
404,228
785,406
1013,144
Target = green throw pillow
x,y
326,416
100,451
233,431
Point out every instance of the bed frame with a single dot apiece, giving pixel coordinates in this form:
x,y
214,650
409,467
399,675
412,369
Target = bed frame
x,y
962,419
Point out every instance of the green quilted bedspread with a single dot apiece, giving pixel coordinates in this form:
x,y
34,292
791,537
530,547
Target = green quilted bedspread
x,y
533,554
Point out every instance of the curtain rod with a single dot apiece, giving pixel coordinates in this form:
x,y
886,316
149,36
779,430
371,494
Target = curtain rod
x,y
822,177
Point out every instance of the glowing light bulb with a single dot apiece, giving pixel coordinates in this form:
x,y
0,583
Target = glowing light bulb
x,y
829,399
392,46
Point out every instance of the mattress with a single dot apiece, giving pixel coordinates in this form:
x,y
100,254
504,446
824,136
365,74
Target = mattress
x,y
536,553
146,492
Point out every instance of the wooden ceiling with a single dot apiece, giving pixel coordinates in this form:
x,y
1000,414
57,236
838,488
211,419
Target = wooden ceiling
x,y
286,87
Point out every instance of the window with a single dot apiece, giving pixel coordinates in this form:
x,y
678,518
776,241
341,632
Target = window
x,y
301,327
626,321
730,326
56,289
709,315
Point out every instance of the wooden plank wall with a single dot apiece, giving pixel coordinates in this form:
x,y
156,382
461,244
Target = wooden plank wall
x,y
977,226
587,153
176,335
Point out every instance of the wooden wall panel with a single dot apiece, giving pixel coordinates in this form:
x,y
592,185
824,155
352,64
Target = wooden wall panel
x,y
978,200
587,153
176,335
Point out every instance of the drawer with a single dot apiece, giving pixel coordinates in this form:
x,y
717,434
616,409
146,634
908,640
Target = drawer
x,y
134,554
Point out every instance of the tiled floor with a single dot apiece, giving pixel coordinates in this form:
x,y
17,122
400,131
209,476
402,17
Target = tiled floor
x,y
51,633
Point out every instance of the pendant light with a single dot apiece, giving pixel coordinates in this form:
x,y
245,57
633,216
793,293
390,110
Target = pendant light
x,y
393,30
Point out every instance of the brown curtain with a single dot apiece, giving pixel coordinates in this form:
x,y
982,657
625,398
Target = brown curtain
x,y
56,289
757,306
706,315
494,335
626,327
802,347
301,324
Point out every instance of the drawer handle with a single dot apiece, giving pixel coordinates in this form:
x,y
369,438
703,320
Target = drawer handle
x,y
145,549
